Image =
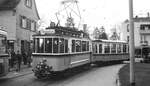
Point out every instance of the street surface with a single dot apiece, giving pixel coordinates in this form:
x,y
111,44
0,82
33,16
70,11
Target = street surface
x,y
97,76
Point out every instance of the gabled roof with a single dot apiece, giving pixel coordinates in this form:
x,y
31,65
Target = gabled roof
x,y
9,4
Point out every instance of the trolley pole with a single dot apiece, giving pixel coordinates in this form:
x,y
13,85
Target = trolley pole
x,y
131,44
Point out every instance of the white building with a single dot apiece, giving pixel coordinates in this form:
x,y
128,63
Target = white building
x,y
141,31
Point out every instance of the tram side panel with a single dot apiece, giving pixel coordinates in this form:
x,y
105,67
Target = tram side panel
x,y
110,57
79,59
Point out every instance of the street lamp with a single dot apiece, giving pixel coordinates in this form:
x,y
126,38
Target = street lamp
x,y
131,44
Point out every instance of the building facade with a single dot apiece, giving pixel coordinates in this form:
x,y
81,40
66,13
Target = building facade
x,y
141,31
20,19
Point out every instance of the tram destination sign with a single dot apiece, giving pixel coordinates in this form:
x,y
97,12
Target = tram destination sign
x,y
48,31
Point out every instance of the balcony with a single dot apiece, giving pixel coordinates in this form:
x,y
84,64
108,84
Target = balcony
x,y
144,43
147,31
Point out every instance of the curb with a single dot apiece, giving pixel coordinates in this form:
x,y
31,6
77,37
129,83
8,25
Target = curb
x,y
16,74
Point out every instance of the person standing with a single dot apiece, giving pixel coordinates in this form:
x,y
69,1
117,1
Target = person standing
x,y
29,58
13,58
19,59
24,55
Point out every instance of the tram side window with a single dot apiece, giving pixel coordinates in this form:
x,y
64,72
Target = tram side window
x,y
107,48
87,46
83,46
48,45
61,42
40,45
95,48
73,45
113,48
55,45
119,48
78,46
100,48
2,45
124,48
66,46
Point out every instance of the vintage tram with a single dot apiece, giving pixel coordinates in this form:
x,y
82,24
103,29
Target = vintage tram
x,y
61,48
109,51
3,53
58,49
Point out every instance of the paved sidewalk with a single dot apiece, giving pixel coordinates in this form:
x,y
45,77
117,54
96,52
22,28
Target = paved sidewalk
x,y
13,74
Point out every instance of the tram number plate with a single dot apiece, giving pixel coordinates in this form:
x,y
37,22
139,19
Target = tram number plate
x,y
1,60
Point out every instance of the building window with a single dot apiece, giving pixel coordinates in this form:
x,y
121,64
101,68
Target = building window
x,y
33,25
145,27
28,3
28,24
23,22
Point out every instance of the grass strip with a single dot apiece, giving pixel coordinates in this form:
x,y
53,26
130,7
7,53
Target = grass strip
x,y
142,75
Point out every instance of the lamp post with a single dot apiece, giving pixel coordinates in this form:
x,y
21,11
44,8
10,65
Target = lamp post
x,y
131,45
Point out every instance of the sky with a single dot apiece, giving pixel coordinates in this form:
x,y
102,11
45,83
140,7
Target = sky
x,y
94,13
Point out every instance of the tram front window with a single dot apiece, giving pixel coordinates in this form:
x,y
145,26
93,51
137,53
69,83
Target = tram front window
x,y
48,45
119,48
2,45
83,45
40,45
61,42
78,46
55,45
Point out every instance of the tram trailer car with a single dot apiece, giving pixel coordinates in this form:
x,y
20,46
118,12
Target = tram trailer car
x,y
62,48
109,51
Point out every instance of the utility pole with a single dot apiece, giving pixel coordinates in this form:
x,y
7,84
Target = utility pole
x,y
131,45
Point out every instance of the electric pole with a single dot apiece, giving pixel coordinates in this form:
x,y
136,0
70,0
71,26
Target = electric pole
x,y
131,44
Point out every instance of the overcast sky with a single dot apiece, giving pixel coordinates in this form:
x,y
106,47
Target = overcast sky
x,y
95,13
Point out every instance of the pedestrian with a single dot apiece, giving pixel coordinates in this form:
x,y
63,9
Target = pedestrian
x,y
29,58
24,55
13,58
19,59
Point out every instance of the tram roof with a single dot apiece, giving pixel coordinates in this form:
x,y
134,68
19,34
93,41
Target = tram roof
x,y
112,41
62,31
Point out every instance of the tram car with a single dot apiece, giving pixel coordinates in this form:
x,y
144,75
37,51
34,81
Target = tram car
x,y
4,63
61,48
109,51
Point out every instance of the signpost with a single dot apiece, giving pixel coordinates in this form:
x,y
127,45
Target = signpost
x,y
131,45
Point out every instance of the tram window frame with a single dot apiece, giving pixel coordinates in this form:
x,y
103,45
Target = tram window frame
x,y
113,49
2,44
48,49
73,46
87,46
66,46
40,46
107,48
100,48
61,45
78,45
84,45
55,46
95,48
124,48
118,48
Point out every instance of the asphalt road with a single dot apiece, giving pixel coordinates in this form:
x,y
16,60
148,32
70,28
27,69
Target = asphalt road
x,y
97,76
